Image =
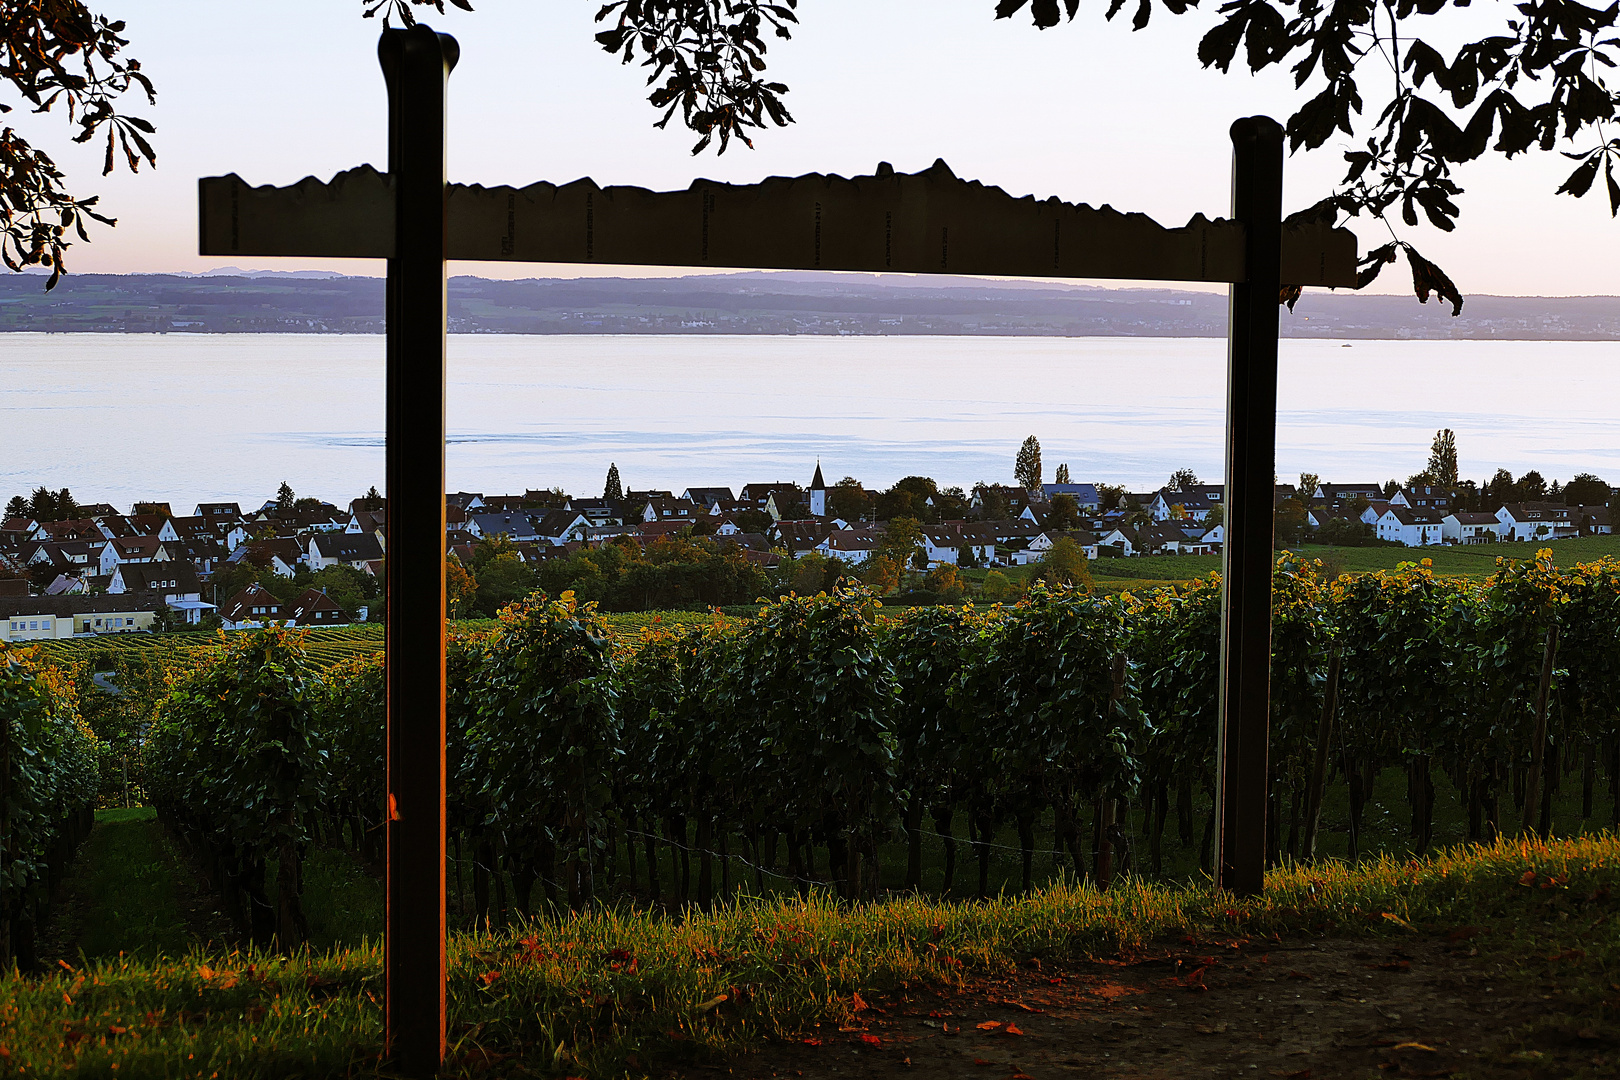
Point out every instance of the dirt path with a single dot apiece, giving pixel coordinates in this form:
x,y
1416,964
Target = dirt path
x,y
1316,1010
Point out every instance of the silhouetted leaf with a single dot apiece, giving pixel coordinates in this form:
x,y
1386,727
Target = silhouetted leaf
x,y
1427,278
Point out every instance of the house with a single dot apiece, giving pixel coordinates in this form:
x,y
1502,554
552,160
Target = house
x,y
559,527
283,554
375,522
946,544
1591,520
785,504
757,496
131,549
708,497
346,548
42,618
77,529
76,556
668,509
1431,497
512,526
1042,542
218,511
853,546
172,580
599,512
470,501
1335,494
1536,521
802,536
174,583
1193,502
253,607
1153,539
1084,495
1414,528
203,555
1466,527
314,608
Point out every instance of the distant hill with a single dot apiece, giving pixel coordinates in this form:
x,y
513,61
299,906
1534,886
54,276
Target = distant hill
x,y
758,303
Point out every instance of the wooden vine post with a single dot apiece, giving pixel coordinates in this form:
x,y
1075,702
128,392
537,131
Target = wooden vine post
x,y
930,222
1319,766
1538,741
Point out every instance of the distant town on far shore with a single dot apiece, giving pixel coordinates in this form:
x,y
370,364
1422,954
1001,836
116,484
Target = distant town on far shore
x,y
235,301
69,569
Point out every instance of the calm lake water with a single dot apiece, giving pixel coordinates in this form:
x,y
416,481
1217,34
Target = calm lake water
x,y
187,418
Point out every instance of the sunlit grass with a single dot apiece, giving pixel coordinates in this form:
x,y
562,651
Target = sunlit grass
x,y
585,994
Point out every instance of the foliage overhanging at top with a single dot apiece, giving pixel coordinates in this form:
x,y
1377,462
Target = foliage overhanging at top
x,y
1537,82
56,53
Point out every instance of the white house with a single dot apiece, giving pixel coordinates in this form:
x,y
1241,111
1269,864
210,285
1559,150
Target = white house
x,y
1195,502
1414,528
1431,497
350,549
131,549
1467,527
854,546
1536,521
1042,543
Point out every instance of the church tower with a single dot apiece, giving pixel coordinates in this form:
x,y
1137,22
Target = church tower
x,y
818,494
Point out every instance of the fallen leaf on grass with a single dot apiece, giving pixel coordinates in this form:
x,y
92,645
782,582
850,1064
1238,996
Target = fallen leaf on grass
x,y
981,1061
1415,1046
1012,1029
871,1040
857,1003
713,1003
811,1042
988,1025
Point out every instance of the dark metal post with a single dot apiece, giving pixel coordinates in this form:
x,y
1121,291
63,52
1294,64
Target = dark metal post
x,y
1251,452
416,63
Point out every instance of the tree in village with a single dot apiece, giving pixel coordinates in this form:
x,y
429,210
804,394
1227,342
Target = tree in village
x,y
285,497
902,541
1587,490
1109,497
1531,486
1027,466
848,500
1065,563
1183,480
1308,483
1442,467
993,505
17,507
1064,512
1062,475
612,489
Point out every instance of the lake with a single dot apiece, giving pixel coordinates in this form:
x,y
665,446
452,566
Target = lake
x,y
194,417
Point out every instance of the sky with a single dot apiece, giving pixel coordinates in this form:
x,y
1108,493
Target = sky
x,y
1090,112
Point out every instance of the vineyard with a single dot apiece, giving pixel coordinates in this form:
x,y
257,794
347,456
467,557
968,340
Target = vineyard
x,y
829,743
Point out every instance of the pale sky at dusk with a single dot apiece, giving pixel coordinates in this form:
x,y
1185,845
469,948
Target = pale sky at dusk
x,y
1090,112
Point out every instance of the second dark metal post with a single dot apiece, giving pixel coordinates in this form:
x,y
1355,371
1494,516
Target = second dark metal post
x,y
1251,452
416,63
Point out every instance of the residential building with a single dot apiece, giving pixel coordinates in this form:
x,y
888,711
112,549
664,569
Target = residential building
x,y
42,618
253,607
131,549
1430,497
1414,528
314,608
346,548
708,497
1084,495
1467,527
1536,521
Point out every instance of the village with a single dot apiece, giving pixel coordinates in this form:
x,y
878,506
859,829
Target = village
x,y
69,570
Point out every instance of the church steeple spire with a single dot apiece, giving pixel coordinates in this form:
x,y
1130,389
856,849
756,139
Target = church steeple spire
x,y
818,494
816,482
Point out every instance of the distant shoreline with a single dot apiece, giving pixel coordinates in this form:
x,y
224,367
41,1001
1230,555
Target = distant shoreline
x,y
765,305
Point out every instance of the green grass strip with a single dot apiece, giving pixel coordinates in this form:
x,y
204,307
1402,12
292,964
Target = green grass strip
x,y
123,891
578,995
